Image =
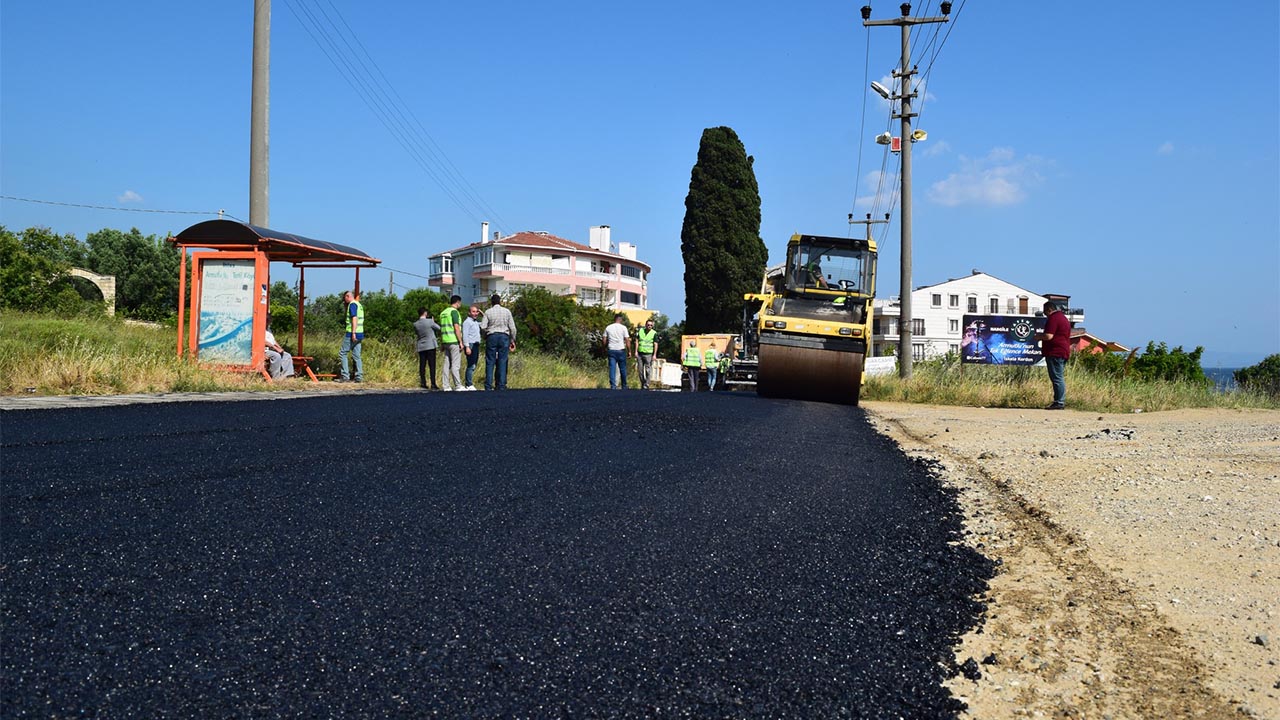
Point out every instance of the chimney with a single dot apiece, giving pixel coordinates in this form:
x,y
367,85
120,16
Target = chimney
x,y
599,237
484,232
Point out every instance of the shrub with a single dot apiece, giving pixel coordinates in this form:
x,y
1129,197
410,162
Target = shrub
x,y
1262,378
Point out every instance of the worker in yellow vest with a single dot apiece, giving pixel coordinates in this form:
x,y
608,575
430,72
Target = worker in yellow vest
x,y
692,361
711,360
646,351
351,338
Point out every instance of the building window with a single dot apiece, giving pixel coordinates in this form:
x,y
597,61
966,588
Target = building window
x,y
995,306
630,298
484,257
953,301
630,271
973,305
953,348
953,326
917,351
588,295
875,327
935,300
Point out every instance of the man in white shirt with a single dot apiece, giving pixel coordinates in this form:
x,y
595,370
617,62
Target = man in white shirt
x,y
471,340
617,342
279,363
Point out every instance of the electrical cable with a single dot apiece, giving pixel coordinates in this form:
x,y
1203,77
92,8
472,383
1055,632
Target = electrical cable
x,y
121,209
382,106
857,179
433,148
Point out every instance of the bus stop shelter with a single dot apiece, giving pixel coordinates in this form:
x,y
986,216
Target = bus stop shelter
x,y
225,315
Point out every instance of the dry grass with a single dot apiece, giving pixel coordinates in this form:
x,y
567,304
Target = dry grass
x,y
48,355
949,383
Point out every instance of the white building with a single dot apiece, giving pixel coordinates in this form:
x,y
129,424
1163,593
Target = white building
x,y
937,313
595,274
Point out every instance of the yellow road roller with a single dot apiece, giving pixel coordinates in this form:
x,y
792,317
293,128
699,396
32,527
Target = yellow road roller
x,y
812,325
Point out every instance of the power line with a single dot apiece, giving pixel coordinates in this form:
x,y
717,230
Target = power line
x,y
447,164
121,209
391,114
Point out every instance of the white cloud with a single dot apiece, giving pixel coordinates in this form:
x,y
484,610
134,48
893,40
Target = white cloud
x,y
888,191
1165,149
129,196
933,149
1000,178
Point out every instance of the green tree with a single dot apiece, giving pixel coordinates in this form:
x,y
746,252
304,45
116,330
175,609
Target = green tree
x,y
1263,377
724,257
145,268
26,279
1158,362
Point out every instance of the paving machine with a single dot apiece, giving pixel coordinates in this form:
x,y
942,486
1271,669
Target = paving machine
x,y
809,328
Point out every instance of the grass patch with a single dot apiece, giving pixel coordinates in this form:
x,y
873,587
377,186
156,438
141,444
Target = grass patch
x,y
49,355
947,382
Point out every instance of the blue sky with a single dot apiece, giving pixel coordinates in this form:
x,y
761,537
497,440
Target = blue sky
x,y
1123,153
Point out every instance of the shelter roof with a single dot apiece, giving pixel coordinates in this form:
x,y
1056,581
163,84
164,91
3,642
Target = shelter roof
x,y
279,246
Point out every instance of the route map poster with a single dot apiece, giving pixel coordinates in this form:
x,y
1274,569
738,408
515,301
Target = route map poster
x,y
226,311
1001,340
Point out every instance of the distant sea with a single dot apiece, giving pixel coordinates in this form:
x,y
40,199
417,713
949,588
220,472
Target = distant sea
x,y
1223,378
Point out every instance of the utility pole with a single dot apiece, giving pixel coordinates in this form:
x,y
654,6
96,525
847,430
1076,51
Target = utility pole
x,y
259,114
868,222
905,71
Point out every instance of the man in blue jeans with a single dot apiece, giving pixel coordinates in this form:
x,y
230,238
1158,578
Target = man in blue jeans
x,y
351,338
501,329
617,343
1055,343
471,340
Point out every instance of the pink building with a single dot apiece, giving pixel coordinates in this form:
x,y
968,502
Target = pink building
x,y
595,274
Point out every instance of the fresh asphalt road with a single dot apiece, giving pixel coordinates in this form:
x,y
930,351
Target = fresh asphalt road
x,y
520,554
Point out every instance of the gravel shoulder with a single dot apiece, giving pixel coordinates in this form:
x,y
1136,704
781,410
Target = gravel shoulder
x,y
1139,553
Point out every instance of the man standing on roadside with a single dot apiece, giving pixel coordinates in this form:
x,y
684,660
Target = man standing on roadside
x,y
646,352
352,337
712,364
501,329
451,343
1055,343
617,343
426,329
471,343
692,361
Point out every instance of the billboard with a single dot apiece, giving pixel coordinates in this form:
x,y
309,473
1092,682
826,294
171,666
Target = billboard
x,y
226,311
1001,340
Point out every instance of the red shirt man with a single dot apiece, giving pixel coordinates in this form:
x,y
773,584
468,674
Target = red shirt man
x,y
1057,334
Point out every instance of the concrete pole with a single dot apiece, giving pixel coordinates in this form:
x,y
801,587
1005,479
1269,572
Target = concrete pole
x,y
905,22
259,115
905,359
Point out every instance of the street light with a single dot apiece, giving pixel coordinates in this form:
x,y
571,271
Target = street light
x,y
881,90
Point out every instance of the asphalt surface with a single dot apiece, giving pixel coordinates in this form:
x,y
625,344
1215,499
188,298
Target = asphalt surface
x,y
520,554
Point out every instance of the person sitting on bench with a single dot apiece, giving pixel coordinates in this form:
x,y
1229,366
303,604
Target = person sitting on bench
x,y
279,363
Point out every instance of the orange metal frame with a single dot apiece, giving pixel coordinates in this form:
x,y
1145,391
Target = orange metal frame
x,y
191,303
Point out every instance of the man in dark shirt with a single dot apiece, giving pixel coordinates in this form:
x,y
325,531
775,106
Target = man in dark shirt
x,y
1055,343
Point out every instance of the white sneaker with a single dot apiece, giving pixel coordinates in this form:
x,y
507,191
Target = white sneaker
x,y
470,388
448,389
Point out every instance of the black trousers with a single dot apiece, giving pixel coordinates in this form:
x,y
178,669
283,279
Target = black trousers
x,y
425,358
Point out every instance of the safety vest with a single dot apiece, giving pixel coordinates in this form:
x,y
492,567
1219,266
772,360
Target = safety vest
x,y
724,363
645,344
692,357
359,317
711,359
448,318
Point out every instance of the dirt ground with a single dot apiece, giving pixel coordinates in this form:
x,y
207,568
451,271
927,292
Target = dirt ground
x,y
1139,557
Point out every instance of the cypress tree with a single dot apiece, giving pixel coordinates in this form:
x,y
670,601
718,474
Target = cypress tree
x,y
724,256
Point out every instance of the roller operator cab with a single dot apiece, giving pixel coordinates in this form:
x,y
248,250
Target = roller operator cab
x,y
812,321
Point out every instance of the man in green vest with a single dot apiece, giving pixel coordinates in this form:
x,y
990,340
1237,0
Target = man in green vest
x,y
692,361
711,361
451,342
646,351
352,338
